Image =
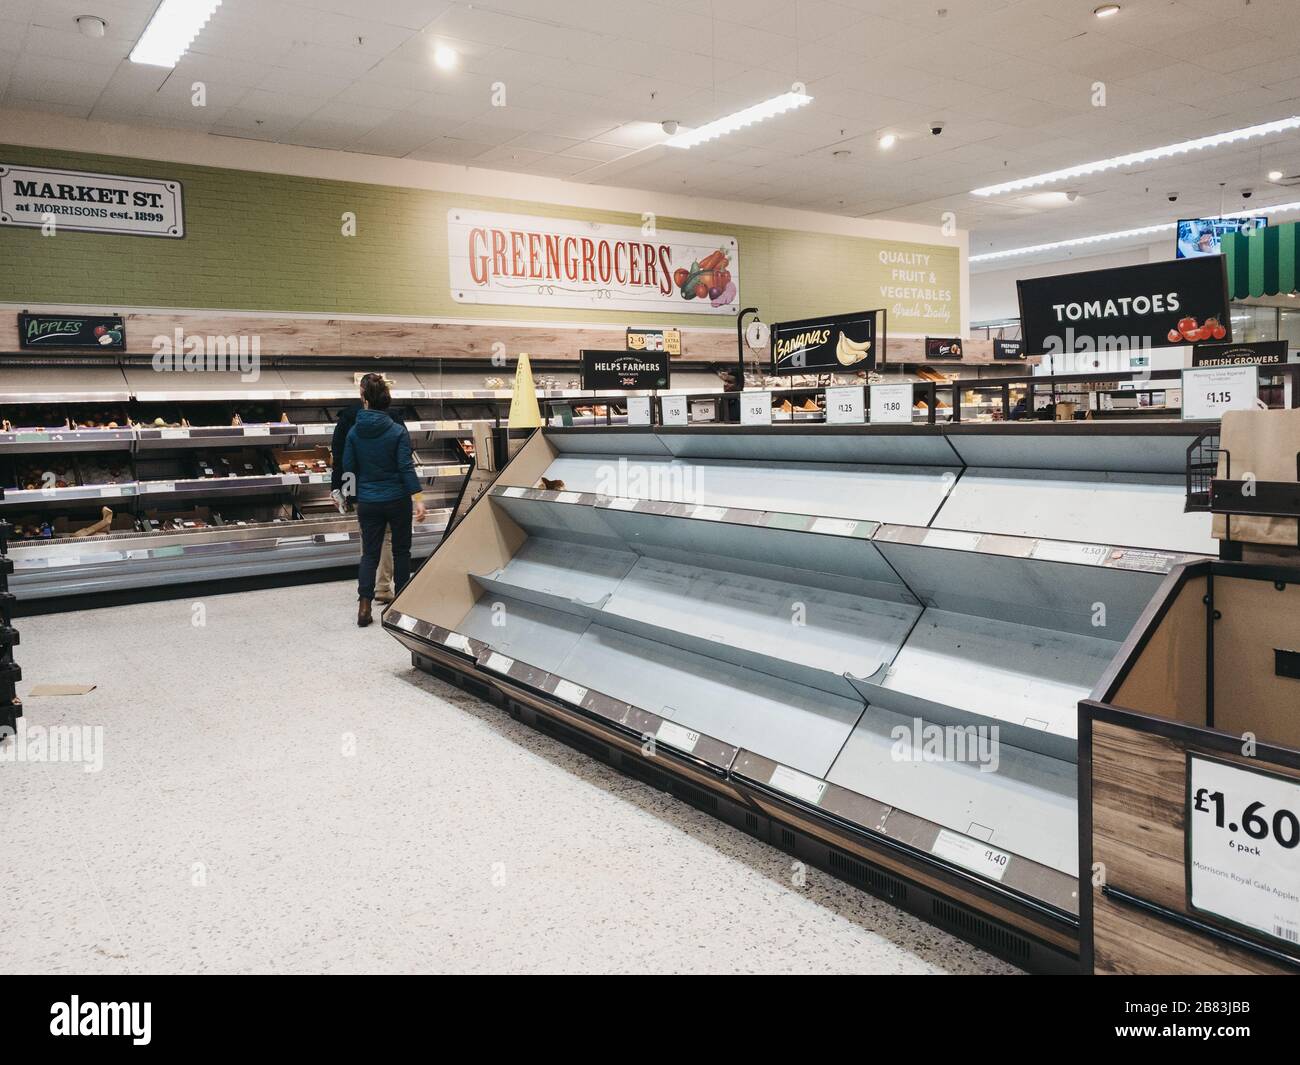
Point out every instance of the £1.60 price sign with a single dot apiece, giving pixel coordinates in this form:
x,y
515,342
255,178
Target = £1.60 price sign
x,y
1243,847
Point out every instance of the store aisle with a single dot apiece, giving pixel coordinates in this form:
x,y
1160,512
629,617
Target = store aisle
x,y
360,816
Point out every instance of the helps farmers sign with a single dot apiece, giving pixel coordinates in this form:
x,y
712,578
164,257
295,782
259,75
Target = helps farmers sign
x,y
528,261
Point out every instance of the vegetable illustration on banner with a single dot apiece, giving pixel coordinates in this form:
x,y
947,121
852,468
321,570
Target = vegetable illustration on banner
x,y
531,261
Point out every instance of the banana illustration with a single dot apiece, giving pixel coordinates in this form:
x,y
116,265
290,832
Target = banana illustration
x,y
847,351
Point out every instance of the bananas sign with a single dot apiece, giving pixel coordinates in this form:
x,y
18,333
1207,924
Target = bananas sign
x,y
822,345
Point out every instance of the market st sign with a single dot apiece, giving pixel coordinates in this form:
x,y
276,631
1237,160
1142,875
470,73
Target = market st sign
x,y
90,203
529,261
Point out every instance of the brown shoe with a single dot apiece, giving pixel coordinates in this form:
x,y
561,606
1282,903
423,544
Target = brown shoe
x,y
363,613
384,598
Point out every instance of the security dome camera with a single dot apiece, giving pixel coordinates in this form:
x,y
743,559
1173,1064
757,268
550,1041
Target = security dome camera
x,y
669,126
1173,197
936,127
1246,194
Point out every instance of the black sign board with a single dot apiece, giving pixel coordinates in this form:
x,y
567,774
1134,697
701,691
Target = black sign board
x,y
1260,353
624,369
943,347
822,345
1151,305
1008,350
71,331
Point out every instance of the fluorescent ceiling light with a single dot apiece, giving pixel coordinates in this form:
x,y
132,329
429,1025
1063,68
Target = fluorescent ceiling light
x,y
1106,10
445,57
720,127
1121,234
1144,156
887,140
1275,175
174,25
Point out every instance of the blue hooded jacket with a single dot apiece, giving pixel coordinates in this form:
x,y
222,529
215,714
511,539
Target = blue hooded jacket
x,y
378,454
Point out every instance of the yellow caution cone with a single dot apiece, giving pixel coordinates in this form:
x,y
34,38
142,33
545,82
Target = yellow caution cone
x,y
524,412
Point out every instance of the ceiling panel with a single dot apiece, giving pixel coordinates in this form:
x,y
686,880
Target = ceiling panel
x,y
587,83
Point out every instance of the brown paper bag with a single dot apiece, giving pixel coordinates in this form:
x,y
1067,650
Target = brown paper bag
x,y
1262,443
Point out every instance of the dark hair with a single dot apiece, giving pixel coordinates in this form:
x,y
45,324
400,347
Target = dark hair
x,y
374,390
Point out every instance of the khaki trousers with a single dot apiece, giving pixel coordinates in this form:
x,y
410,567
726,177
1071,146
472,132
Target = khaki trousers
x,y
384,578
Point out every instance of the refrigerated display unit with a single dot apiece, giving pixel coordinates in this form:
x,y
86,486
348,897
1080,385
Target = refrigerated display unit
x,y
778,624
119,477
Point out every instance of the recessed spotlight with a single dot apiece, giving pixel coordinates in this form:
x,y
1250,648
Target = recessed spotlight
x,y
91,26
445,57
887,140
1275,175
1106,10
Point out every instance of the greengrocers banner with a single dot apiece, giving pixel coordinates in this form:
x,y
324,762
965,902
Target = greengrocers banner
x,y
528,261
90,203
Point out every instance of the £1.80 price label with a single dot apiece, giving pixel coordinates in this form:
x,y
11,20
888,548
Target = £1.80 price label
x,y
891,403
1243,829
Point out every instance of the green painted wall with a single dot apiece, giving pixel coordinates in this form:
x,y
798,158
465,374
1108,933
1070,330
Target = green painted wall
x,y
257,241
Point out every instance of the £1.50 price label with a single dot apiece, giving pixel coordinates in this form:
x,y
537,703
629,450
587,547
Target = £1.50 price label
x,y
1243,847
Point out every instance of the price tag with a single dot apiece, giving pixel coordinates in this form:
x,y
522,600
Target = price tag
x,y
1079,554
709,513
175,434
499,663
569,497
678,736
674,410
800,785
337,538
756,408
1243,847
891,403
513,493
406,623
834,526
257,430
1209,391
623,503
64,560
844,406
570,692
971,853
457,642
111,490
638,410
952,539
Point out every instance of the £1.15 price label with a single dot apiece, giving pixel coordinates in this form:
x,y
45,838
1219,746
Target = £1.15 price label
x,y
1243,847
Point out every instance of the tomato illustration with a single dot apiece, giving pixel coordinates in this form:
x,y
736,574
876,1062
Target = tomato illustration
x,y
680,275
1173,336
1187,326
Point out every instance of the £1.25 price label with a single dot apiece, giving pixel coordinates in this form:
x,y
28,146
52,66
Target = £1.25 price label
x,y
1243,847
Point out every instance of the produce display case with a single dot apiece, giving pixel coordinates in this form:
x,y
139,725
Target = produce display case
x,y
119,477
772,605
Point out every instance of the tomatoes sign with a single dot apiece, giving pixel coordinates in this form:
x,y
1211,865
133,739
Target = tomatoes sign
x,y
530,261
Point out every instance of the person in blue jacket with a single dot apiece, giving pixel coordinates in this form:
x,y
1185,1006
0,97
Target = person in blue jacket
x,y
377,459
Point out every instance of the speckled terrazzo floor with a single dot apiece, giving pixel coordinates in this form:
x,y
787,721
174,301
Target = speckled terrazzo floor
x,y
282,792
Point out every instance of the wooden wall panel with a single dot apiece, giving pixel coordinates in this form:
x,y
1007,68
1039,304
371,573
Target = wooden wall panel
x,y
351,337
